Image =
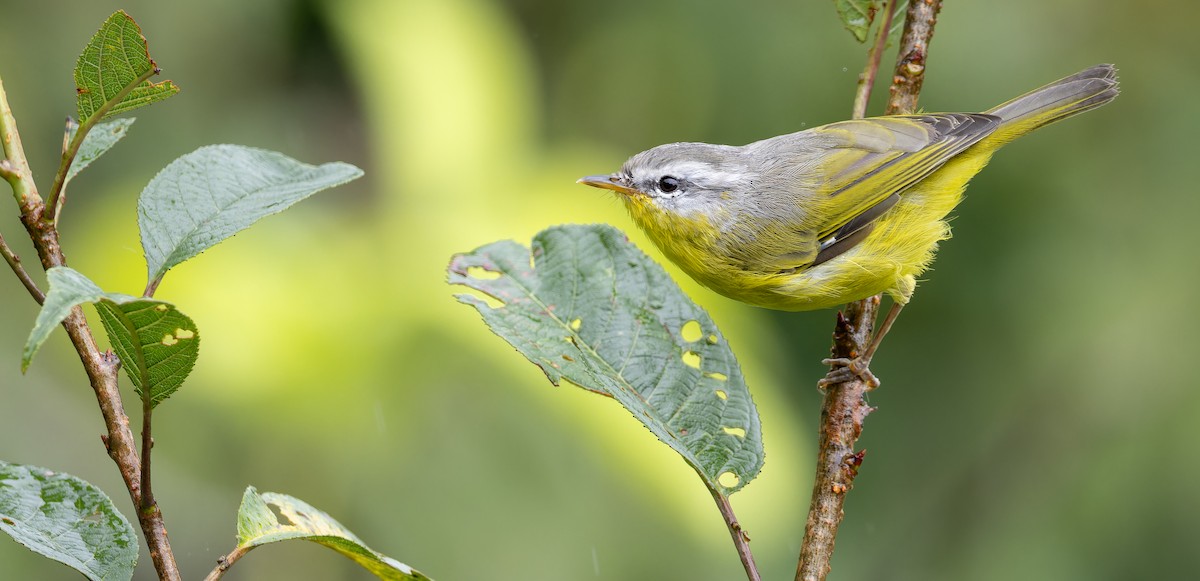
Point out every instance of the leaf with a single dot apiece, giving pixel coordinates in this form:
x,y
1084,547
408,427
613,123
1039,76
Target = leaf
x,y
157,344
66,519
217,191
258,525
857,15
68,289
596,311
115,58
99,140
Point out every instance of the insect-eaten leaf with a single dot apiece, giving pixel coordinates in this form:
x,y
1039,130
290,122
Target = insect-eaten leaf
x,y
115,58
258,525
217,191
66,519
157,344
593,309
99,140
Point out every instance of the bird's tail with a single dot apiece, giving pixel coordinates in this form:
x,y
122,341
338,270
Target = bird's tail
x,y
1063,98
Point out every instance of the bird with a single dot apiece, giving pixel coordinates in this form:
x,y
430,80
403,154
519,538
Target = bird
x,y
832,214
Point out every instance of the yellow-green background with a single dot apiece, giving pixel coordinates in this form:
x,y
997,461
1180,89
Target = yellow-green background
x,y
1037,419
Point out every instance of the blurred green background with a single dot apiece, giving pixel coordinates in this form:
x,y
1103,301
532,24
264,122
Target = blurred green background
x,y
1037,414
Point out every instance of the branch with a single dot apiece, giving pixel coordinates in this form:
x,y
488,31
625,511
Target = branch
x,y
910,61
16,168
148,502
101,368
225,562
845,406
14,262
741,540
842,415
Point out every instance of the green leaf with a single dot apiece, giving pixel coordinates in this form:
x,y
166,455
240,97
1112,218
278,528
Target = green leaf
x,y
258,525
115,58
68,289
217,191
99,140
593,309
66,519
857,15
157,344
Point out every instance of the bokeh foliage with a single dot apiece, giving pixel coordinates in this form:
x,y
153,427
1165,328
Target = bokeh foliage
x,y
1032,423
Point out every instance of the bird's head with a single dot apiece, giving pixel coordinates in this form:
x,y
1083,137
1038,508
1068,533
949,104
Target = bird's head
x,y
684,180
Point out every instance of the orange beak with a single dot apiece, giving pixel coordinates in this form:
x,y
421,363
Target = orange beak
x,y
615,182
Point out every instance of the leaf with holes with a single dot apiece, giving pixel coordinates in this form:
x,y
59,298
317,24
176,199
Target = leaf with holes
x,y
258,525
99,140
217,191
157,344
66,519
857,15
115,58
593,309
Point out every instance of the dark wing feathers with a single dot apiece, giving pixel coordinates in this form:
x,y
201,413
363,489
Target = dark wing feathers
x,y
891,154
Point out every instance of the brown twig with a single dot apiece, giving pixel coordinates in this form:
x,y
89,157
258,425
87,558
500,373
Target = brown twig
x,y
225,562
741,540
14,262
101,368
148,502
910,61
845,406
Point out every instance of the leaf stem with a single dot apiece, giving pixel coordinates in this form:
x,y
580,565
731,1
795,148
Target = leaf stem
x,y
14,262
225,562
741,540
101,368
845,406
148,502
152,286
68,156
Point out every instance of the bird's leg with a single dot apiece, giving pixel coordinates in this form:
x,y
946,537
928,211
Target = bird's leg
x,y
844,369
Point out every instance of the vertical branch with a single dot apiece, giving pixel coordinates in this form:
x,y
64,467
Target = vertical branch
x,y
842,415
910,61
101,368
16,167
845,407
148,502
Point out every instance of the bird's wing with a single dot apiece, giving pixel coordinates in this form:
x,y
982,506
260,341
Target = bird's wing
x,y
868,162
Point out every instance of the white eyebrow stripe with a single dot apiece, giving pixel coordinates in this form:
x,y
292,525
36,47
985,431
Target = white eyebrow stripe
x,y
703,174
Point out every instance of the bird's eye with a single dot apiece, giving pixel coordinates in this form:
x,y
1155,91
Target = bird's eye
x,y
668,184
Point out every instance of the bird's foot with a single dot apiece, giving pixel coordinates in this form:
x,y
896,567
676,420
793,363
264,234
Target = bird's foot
x,y
843,370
